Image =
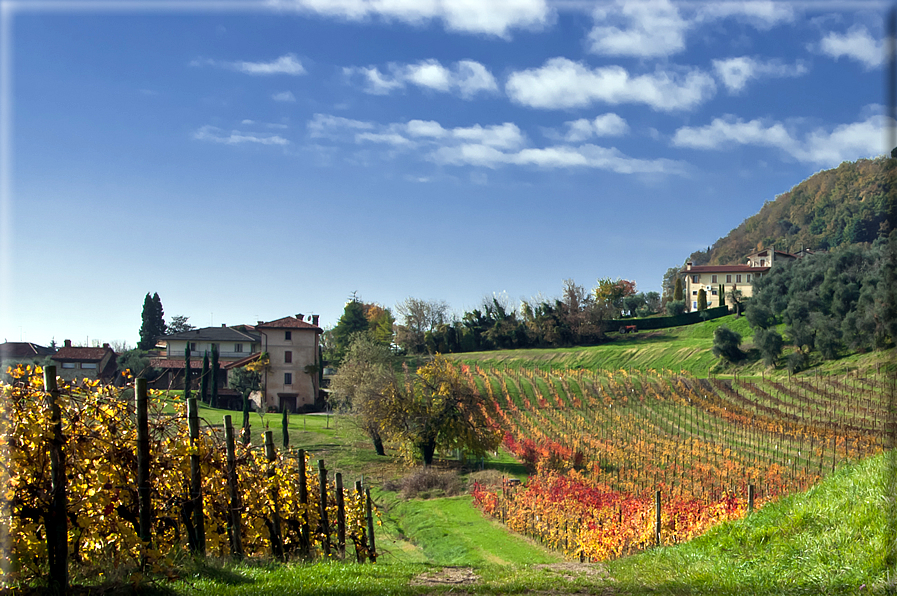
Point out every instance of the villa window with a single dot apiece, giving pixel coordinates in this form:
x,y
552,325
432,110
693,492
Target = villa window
x,y
728,279
695,279
288,335
88,365
713,279
287,378
288,356
68,365
749,278
738,278
238,347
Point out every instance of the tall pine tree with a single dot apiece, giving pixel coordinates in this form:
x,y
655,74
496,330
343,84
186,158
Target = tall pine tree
x,y
153,325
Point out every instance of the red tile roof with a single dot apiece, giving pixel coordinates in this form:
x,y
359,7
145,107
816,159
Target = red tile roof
x,y
13,350
288,323
70,353
724,269
195,363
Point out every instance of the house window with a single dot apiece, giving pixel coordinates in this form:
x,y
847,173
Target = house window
x,y
762,262
238,347
68,365
287,378
738,278
694,306
192,346
695,279
748,278
288,356
88,365
713,279
728,279
694,292
288,335
713,292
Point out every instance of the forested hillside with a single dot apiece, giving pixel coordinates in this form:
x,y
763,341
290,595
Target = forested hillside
x,y
838,207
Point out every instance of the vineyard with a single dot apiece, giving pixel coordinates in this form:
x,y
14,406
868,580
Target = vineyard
x,y
79,488
602,445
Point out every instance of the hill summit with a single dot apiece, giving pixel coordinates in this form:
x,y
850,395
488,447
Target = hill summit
x,y
853,203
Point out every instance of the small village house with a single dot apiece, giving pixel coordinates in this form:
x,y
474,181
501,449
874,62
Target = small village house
x,y
75,363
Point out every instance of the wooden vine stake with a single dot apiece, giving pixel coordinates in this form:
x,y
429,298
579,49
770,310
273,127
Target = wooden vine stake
x,y
340,517
304,540
196,537
325,524
234,529
362,552
145,512
274,522
657,517
372,552
56,519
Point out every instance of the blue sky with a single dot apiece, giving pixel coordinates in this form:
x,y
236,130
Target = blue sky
x,y
250,160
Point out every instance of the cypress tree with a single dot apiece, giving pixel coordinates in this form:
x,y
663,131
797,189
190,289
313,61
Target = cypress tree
x,y
285,423
677,291
204,379
702,299
214,371
187,372
152,324
722,295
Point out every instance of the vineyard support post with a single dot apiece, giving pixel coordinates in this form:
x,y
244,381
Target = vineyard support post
x,y
274,527
305,539
750,497
198,542
657,517
361,553
369,509
56,519
325,524
233,519
143,462
340,517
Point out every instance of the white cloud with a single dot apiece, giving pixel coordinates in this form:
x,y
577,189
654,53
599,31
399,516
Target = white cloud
x,y
562,83
466,78
490,146
645,28
286,64
736,72
606,125
216,135
466,16
819,147
658,28
285,96
857,44
762,14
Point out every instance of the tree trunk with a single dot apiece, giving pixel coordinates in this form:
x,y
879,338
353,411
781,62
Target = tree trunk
x,y
427,450
378,443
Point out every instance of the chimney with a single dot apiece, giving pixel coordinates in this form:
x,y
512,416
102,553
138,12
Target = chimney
x,y
106,346
260,323
68,343
300,316
314,320
688,265
223,325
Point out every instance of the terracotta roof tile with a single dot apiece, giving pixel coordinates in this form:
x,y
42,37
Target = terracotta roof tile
x,y
81,354
288,323
724,269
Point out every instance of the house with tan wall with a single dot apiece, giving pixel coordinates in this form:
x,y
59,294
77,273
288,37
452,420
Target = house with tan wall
x,y
233,344
291,378
75,363
731,277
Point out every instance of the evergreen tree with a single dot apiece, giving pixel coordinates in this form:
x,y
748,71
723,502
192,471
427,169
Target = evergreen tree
x,y
153,325
722,295
204,379
214,371
285,424
352,321
702,299
677,292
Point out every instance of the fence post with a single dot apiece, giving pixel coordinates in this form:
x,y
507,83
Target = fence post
x,y
143,462
56,519
370,515
234,522
360,554
340,517
325,524
274,527
198,543
304,541
657,516
750,497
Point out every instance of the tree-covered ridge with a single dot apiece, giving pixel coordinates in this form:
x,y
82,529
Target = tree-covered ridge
x,y
846,205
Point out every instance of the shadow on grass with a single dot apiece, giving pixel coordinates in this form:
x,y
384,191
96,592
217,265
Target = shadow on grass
x,y
218,572
508,468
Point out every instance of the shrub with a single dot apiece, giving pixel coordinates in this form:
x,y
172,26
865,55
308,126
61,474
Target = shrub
x,y
675,307
769,343
797,361
427,483
726,344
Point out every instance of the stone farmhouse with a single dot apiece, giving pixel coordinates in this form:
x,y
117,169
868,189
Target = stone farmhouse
x,y
731,277
76,363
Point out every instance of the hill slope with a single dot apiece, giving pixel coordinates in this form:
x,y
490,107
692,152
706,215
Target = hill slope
x,y
845,205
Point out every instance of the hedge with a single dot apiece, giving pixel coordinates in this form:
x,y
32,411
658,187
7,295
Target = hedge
x,y
687,318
